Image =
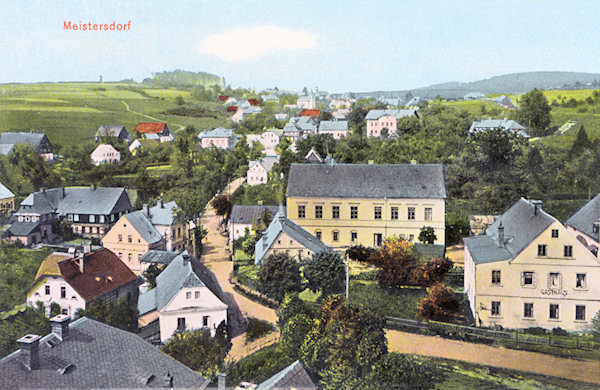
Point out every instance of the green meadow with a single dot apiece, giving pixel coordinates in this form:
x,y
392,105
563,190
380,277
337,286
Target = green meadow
x,y
70,113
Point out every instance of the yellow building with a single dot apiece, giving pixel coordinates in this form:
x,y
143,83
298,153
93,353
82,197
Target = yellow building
x,y
350,204
529,270
131,237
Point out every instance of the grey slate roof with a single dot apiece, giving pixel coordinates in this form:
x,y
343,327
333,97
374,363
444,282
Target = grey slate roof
x,y
5,149
77,200
503,124
248,214
367,181
32,139
177,275
163,213
158,257
113,131
521,226
22,229
584,219
144,227
281,224
333,126
102,357
5,192
267,162
293,376
376,114
218,132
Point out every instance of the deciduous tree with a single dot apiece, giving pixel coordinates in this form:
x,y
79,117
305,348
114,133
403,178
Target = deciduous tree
x,y
325,272
279,274
534,112
440,304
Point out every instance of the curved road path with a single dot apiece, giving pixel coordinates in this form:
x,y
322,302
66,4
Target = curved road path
x,y
216,257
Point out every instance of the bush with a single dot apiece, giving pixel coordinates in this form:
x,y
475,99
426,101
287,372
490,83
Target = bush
x,y
360,253
440,304
260,366
257,328
279,274
558,331
18,325
535,330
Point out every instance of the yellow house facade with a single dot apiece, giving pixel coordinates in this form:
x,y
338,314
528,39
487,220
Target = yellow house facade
x,y
351,204
529,270
131,237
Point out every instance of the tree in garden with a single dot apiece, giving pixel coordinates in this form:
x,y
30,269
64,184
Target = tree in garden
x,y
222,205
360,253
54,309
396,260
400,372
432,272
151,273
198,350
595,328
293,333
290,306
325,272
279,274
427,235
65,230
534,112
121,314
581,142
440,304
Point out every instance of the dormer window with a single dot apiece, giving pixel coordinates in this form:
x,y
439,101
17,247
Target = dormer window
x,y
596,227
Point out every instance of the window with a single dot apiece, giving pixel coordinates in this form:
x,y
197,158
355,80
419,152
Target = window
x,y
180,323
554,280
70,217
554,233
76,217
377,239
318,212
596,227
527,279
335,212
102,219
353,212
542,250
336,235
411,213
196,294
47,290
65,312
318,234
63,292
205,321
428,213
188,295
377,212
528,310
301,211
495,308
120,255
129,257
411,237
353,236
580,281
568,251
120,237
496,277
580,313
394,213
92,218
129,239
553,311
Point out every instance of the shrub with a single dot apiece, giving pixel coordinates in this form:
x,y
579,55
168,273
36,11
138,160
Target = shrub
x,y
279,274
257,328
260,366
558,331
360,253
440,304
535,330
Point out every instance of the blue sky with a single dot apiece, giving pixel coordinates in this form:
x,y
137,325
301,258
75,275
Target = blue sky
x,y
333,45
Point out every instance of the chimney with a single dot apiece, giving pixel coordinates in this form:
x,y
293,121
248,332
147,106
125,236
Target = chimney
x,y
30,351
221,381
87,248
537,206
146,210
60,325
160,204
168,380
186,259
62,192
81,261
94,187
500,235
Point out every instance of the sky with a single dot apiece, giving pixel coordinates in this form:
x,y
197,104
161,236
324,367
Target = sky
x,y
335,46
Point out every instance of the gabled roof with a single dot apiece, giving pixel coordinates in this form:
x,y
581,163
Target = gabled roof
x,y
376,114
333,126
267,162
5,149
158,257
367,181
313,156
49,266
504,124
294,376
584,219
5,192
248,214
150,128
31,139
310,112
521,223
99,356
22,229
111,131
163,213
103,149
281,224
77,200
140,222
103,271
218,132
183,271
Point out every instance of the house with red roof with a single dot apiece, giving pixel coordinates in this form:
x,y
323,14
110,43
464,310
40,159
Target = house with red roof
x,y
310,112
156,131
73,282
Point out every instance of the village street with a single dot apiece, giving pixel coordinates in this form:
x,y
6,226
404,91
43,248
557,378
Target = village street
x,y
216,257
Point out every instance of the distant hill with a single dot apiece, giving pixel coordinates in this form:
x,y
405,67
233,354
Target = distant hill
x,y
182,78
514,83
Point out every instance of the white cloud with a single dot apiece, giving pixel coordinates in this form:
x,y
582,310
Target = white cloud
x,y
256,41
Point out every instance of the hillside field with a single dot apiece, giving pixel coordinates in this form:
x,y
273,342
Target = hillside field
x,y
70,113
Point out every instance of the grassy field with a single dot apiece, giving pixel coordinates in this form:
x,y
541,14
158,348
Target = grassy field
x,y
70,113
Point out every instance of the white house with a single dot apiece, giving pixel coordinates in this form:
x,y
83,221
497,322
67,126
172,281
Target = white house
x,y
134,145
105,153
244,217
163,218
72,282
268,139
501,124
308,102
258,172
187,296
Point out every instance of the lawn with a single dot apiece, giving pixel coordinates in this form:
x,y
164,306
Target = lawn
x,y
386,301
